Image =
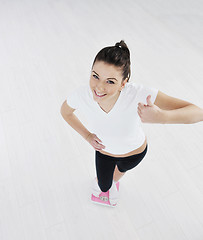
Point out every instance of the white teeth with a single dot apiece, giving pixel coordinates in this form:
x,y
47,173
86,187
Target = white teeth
x,y
99,94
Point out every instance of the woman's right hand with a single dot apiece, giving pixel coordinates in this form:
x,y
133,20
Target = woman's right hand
x,y
94,141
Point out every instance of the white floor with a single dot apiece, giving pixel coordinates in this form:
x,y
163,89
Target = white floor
x,y
46,168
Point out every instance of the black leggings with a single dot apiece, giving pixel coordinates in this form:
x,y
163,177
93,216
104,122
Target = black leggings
x,y
105,166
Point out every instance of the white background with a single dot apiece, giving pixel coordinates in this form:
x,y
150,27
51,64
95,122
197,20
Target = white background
x,y
47,49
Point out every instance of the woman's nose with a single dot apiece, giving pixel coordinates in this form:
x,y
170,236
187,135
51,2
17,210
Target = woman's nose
x,y
100,87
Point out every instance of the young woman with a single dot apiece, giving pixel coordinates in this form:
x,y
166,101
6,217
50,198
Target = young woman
x,y
114,109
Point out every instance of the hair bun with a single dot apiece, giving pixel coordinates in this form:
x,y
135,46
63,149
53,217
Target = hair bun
x,y
121,44
118,45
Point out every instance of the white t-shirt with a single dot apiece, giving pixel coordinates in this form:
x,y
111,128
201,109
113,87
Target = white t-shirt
x,y
119,130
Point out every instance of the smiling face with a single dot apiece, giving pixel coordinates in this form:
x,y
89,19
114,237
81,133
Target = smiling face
x,y
106,82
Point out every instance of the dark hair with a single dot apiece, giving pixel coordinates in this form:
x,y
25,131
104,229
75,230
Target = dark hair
x,y
118,55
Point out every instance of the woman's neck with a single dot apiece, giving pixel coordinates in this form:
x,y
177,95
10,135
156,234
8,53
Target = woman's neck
x,y
109,105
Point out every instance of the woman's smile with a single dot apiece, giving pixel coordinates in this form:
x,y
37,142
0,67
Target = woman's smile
x,y
100,95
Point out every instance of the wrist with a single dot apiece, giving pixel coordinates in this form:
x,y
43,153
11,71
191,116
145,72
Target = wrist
x,y
88,135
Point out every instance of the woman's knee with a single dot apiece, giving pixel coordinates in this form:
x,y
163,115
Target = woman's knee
x,y
104,187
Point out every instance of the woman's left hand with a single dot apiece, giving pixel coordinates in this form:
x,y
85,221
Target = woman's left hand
x,y
149,113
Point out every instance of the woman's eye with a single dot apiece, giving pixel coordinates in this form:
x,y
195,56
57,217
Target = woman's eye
x,y
95,76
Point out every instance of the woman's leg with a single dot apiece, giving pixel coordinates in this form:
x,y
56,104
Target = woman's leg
x,y
117,174
130,162
105,167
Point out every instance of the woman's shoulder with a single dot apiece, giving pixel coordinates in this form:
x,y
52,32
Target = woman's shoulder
x,y
136,86
132,87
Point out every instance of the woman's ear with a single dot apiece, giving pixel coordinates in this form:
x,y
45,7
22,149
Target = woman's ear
x,y
124,82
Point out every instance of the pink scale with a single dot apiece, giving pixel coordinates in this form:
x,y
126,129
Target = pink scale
x,y
103,198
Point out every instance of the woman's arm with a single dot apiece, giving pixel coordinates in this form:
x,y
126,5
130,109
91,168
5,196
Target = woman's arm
x,y
168,109
175,110
187,115
76,124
